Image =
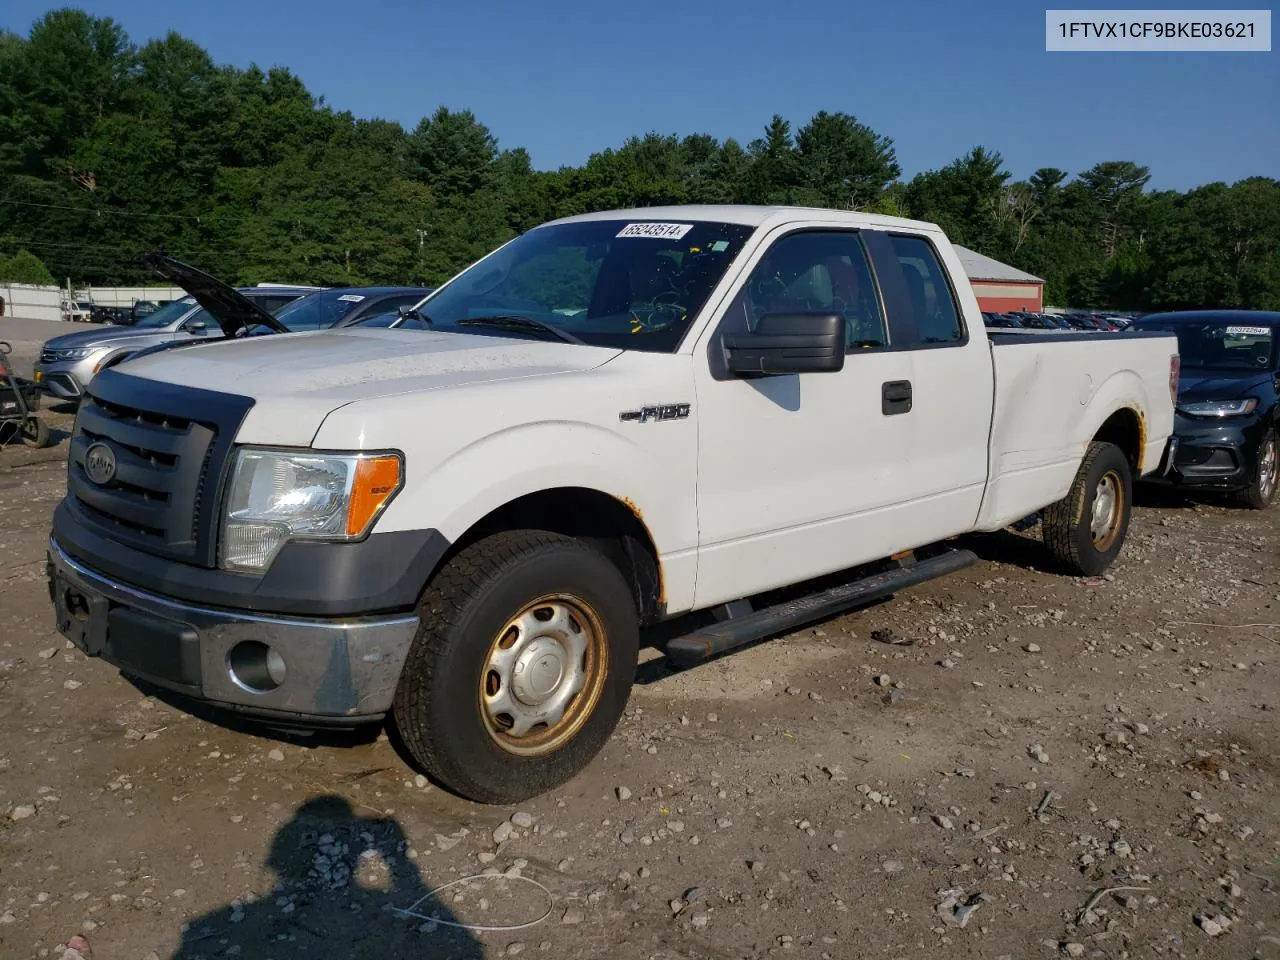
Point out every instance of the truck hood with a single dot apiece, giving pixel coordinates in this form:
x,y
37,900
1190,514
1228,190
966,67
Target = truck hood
x,y
297,379
108,336
1196,385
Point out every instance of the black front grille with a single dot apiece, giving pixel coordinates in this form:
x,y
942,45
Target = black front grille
x,y
170,446
49,356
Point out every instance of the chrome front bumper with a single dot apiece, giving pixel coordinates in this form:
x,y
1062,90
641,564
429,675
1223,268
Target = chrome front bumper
x,y
322,671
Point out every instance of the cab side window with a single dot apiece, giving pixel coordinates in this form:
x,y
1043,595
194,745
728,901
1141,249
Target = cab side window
x,y
814,272
928,293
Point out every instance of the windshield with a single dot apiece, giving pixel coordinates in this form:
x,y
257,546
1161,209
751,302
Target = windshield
x,y
319,310
1219,344
613,283
165,315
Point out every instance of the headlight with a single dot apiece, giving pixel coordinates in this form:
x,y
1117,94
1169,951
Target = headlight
x,y
1219,408
281,495
79,353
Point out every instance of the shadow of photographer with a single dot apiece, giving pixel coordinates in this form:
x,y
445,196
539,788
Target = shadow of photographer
x,y
338,877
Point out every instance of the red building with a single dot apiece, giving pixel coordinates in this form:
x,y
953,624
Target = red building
x,y
1000,287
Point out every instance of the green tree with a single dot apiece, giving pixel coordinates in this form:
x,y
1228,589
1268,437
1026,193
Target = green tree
x,y
1115,193
964,198
24,267
775,173
845,163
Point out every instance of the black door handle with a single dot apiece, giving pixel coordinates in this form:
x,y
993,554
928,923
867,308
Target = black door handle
x,y
895,397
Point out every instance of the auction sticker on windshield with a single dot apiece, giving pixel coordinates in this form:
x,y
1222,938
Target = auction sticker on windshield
x,y
662,231
1248,331
351,297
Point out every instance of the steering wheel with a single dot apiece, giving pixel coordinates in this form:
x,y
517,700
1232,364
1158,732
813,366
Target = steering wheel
x,y
662,312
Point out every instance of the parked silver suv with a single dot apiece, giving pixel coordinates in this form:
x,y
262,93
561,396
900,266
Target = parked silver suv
x,y
69,362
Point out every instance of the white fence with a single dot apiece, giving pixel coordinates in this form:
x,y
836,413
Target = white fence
x,y
31,302
126,296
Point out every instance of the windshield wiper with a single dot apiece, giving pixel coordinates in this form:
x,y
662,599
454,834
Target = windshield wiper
x,y
411,313
522,324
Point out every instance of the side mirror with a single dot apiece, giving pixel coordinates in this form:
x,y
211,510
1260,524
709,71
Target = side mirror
x,y
197,327
788,343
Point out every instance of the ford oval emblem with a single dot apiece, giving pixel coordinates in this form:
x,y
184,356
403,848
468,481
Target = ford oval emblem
x,y
100,464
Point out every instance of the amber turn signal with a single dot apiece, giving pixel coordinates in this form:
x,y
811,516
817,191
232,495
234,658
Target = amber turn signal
x,y
376,481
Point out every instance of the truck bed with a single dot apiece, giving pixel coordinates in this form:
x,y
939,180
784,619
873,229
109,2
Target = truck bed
x,y
1038,439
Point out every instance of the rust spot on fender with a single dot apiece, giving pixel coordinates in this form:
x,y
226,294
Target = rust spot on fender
x,y
1142,439
661,599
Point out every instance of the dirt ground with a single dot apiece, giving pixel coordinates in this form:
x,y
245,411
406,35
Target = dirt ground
x,y
1041,766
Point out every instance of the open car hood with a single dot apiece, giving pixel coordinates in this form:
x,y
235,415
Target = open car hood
x,y
233,311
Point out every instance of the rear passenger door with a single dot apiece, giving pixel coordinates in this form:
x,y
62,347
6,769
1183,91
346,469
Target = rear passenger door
x,y
952,383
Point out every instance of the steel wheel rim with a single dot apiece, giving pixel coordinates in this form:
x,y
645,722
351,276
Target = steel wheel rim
x,y
1108,508
1267,468
543,675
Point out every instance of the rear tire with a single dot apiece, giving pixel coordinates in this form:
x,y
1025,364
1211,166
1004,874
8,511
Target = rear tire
x,y
1261,493
521,667
1086,529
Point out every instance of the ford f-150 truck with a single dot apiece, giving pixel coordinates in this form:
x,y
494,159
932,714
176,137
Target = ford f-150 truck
x,y
760,414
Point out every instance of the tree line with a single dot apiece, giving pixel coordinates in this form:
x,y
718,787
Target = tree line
x,y
109,149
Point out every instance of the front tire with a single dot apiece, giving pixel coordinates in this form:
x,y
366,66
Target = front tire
x,y
1086,529
521,668
1261,493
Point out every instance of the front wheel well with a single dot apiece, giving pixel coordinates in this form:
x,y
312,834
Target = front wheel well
x,y
613,526
1125,429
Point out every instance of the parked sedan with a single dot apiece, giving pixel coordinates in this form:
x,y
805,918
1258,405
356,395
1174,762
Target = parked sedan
x,y
343,306
1227,412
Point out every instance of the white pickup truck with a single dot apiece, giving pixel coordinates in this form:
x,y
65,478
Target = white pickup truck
x,y
464,521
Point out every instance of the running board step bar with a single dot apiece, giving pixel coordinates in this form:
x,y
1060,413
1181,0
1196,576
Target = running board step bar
x,y
729,634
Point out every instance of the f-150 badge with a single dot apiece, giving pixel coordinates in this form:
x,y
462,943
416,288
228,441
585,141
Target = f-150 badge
x,y
669,411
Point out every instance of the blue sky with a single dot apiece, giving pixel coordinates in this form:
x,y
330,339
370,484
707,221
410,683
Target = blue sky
x,y
564,78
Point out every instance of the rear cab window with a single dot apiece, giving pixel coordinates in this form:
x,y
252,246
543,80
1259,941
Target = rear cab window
x,y
929,296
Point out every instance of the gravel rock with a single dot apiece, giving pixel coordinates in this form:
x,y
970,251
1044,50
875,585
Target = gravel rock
x,y
1214,926
1073,949
22,812
277,754
71,684
1038,753
944,822
502,832
624,793
522,820
1032,648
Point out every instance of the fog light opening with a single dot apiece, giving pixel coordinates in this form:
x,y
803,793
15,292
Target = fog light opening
x,y
76,605
255,666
